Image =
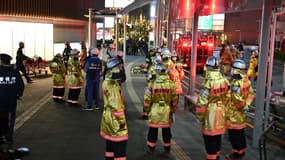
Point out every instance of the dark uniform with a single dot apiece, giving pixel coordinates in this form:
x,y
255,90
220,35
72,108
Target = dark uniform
x,y
66,53
20,58
93,67
11,88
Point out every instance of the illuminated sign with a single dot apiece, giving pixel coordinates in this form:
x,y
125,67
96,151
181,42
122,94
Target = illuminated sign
x,y
117,3
205,22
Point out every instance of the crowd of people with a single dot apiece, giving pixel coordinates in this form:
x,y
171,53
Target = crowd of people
x,y
222,99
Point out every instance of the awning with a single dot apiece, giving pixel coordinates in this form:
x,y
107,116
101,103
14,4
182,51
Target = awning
x,y
135,5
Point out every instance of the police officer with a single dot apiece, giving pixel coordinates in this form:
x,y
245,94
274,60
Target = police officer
x,y
93,67
11,88
113,124
210,108
160,102
75,78
58,69
242,95
20,58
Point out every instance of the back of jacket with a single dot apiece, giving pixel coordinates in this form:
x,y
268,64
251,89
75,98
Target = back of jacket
x,y
160,101
11,87
211,104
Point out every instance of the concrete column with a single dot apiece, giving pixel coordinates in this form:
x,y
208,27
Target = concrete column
x,y
263,68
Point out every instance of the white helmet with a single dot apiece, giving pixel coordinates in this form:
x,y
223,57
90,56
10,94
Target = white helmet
x,y
212,63
94,51
239,64
166,52
74,52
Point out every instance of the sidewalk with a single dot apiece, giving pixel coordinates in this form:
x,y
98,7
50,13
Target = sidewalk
x,y
56,131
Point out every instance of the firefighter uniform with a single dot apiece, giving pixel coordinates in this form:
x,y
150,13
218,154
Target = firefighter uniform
x,y
11,88
113,124
242,95
160,102
75,78
58,69
177,74
210,108
93,68
226,61
252,71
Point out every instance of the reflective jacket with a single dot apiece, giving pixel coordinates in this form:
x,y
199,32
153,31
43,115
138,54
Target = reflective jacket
x,y
160,101
241,95
75,78
211,103
113,124
176,75
58,69
252,68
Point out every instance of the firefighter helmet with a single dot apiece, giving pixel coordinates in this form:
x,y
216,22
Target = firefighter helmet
x,y
165,52
212,63
94,51
158,59
113,62
239,64
161,68
74,52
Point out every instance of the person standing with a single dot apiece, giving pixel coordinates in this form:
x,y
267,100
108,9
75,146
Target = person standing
x,y
252,71
11,88
66,53
58,69
113,124
93,68
75,78
242,96
20,58
176,73
83,54
160,102
210,107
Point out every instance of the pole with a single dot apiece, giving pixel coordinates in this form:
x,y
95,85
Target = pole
x,y
262,67
125,42
103,42
117,31
90,43
194,53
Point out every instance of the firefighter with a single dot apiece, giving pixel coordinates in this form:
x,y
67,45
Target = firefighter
x,y
176,73
252,71
166,55
11,88
75,78
66,53
113,124
210,107
226,61
241,96
160,102
93,68
58,69
151,75
83,54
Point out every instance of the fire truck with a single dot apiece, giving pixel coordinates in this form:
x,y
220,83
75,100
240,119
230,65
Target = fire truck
x,y
205,49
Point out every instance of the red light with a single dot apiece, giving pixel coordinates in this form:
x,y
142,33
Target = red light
x,y
211,45
203,43
185,44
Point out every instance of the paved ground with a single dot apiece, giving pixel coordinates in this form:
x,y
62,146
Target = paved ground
x,y
56,131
